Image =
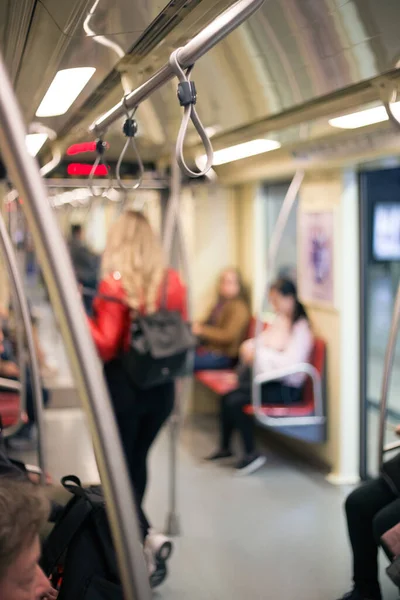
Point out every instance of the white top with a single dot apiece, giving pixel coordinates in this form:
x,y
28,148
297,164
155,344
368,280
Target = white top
x,y
282,345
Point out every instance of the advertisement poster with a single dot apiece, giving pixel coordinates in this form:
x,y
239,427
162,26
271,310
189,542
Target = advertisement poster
x,y
317,257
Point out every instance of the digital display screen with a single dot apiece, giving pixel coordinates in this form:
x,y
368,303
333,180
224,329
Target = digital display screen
x,y
386,231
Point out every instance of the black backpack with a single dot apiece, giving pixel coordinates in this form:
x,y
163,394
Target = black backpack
x,y
161,346
79,555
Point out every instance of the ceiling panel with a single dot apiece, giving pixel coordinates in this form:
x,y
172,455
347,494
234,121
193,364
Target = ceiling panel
x,y
111,17
15,18
290,53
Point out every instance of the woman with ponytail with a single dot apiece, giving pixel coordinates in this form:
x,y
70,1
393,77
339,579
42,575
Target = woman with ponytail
x,y
285,343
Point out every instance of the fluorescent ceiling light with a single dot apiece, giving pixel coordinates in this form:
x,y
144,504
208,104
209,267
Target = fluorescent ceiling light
x,y
240,151
34,141
64,90
364,117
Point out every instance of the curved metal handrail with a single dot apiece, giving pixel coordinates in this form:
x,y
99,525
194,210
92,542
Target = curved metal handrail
x,y
61,283
23,316
317,419
21,354
387,372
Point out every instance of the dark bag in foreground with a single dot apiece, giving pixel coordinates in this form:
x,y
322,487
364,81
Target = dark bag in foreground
x,y
78,554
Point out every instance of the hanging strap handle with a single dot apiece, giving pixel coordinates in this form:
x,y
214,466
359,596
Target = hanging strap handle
x,y
130,130
187,96
100,149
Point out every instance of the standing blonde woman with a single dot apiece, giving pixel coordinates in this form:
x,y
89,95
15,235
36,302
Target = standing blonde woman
x,y
134,272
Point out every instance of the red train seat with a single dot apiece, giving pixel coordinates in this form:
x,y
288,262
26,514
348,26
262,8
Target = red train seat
x,y
223,381
9,408
307,405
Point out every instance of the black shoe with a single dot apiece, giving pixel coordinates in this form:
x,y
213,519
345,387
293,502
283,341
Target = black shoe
x,y
219,455
250,464
356,595
158,549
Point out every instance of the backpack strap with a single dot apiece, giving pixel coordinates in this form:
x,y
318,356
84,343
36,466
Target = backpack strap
x,y
71,520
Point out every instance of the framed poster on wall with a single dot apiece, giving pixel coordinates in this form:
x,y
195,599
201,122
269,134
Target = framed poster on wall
x,y
317,257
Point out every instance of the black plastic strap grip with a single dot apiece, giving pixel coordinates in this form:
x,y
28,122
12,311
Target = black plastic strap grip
x,y
130,128
187,93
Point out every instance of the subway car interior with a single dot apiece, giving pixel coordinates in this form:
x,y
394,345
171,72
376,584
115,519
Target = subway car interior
x,y
258,141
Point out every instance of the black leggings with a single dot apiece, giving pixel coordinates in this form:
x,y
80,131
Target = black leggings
x,y
140,415
233,418
371,510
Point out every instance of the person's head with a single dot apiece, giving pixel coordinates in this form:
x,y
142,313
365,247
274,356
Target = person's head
x,y
134,250
76,231
23,511
231,285
284,299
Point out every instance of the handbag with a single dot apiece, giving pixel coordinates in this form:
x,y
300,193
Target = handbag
x,y
161,347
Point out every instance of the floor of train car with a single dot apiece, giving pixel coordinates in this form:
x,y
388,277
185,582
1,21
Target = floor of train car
x,y
277,534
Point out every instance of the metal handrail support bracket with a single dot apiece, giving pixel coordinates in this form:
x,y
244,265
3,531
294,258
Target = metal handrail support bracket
x,y
216,31
61,283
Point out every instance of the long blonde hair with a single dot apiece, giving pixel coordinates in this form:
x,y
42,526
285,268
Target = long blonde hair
x,y
134,250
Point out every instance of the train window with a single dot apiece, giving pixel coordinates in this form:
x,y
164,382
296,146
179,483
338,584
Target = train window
x,y
274,196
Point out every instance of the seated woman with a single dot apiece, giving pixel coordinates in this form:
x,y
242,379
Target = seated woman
x,y
287,342
225,329
371,510
25,439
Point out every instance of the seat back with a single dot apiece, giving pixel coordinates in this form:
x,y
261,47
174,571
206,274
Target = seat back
x,y
251,328
317,360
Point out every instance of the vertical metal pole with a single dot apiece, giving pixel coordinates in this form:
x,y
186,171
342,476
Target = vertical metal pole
x,y
387,373
22,316
61,283
173,526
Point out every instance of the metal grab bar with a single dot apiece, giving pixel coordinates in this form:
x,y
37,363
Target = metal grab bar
x,y
62,286
10,384
387,372
286,209
216,31
278,374
19,338
173,223
23,317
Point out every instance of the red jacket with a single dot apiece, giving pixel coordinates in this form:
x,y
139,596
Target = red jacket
x,y
110,325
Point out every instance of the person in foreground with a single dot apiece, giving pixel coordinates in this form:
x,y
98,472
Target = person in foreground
x,y
225,328
23,511
134,273
371,510
285,343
